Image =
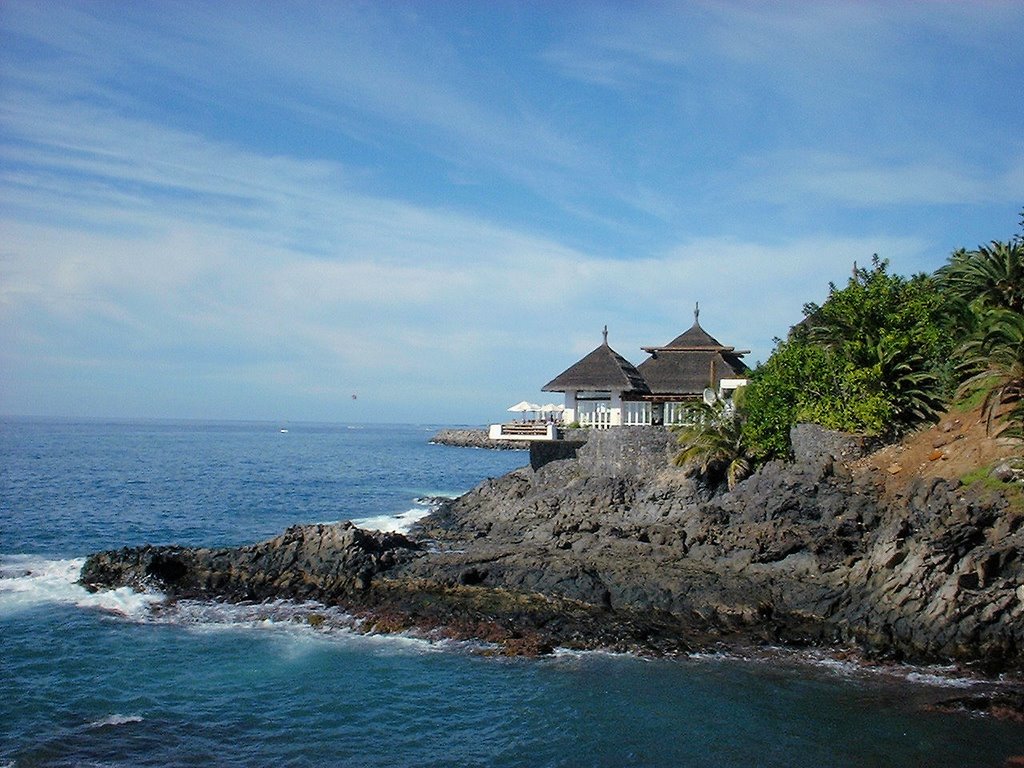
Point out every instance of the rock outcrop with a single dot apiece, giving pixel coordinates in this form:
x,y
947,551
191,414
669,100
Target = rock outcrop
x,y
476,438
328,563
617,548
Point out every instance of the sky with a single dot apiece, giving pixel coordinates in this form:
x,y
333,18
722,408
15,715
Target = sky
x,y
422,212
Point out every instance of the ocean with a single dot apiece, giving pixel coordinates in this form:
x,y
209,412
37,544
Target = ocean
x,y
116,679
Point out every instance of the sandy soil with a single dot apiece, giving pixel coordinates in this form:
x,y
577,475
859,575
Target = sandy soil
x,y
958,444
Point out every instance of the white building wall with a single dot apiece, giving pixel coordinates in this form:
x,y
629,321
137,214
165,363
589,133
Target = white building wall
x,y
569,415
616,409
726,387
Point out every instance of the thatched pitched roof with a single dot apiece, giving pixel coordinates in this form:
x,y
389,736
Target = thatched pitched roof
x,y
601,369
691,362
693,339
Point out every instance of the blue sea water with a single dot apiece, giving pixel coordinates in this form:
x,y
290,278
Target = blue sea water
x,y
112,680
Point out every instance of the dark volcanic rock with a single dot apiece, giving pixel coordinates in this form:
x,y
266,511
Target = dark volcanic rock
x,y
617,548
1002,705
322,562
803,551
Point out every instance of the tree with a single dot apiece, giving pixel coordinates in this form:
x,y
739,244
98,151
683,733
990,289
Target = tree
x,y
874,359
996,362
715,440
989,281
903,328
990,277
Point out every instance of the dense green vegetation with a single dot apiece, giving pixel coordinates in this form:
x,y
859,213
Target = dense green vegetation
x,y
990,282
883,355
716,442
873,359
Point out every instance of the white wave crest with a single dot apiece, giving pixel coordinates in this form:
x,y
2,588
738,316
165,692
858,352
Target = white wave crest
x,y
27,581
115,719
943,679
400,523
403,521
301,626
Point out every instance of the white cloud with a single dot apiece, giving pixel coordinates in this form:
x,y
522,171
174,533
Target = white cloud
x,y
325,327
146,252
354,73
785,177
852,103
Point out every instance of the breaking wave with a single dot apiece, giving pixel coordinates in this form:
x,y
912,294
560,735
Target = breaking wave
x,y
403,521
28,581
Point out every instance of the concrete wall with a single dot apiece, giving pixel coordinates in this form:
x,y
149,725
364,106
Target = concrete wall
x,y
626,450
545,451
610,452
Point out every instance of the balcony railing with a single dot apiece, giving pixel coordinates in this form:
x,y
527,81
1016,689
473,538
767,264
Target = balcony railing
x,y
529,430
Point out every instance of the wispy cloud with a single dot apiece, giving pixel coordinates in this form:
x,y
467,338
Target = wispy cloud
x,y
814,176
862,103
355,74
248,210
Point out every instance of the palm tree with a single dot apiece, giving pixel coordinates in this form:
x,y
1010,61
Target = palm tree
x,y
914,388
996,362
990,277
716,441
990,280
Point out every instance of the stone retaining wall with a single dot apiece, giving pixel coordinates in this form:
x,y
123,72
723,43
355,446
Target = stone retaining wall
x,y
627,450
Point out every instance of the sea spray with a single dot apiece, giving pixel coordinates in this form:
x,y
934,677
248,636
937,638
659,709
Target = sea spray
x,y
27,581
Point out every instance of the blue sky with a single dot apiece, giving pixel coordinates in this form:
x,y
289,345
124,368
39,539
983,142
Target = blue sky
x,y
256,210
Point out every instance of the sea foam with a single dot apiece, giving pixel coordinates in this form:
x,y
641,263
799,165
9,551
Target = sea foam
x,y
400,523
299,624
28,581
115,719
403,521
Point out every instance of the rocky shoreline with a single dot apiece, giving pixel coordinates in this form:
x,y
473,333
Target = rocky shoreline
x,y
476,438
619,550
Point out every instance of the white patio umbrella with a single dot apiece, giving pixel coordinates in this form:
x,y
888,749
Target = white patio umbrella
x,y
523,407
552,408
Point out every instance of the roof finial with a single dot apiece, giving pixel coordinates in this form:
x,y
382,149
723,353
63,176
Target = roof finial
x,y
696,313
605,334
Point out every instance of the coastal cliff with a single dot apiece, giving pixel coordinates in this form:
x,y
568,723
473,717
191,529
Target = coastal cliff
x,y
619,549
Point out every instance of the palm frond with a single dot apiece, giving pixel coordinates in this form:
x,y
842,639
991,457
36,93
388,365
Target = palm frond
x,y
715,442
994,360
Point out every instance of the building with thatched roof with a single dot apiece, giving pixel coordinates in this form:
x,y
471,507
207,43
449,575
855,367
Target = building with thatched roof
x,y
691,367
598,385
604,389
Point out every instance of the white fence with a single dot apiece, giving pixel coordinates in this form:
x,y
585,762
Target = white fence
x,y
594,415
681,413
636,414
598,415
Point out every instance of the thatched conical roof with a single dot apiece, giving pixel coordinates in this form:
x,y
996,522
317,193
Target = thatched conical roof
x,y
690,363
602,369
